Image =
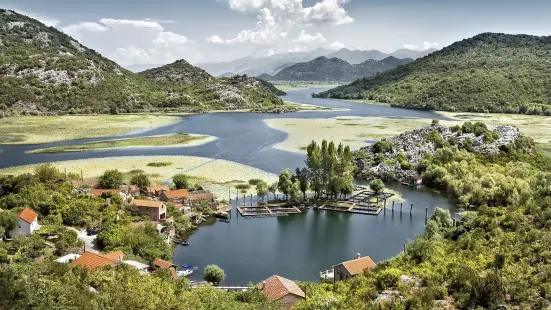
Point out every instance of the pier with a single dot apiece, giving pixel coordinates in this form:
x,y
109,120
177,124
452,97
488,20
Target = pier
x,y
364,202
267,211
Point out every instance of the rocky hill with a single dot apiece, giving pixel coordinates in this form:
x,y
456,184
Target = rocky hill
x,y
44,71
398,157
490,72
359,56
334,70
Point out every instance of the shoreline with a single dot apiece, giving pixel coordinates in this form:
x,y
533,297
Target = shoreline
x,y
202,139
213,174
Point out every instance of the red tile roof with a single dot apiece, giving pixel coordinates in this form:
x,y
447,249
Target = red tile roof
x,y
163,263
153,189
147,203
114,255
92,261
28,215
276,287
179,193
358,265
417,177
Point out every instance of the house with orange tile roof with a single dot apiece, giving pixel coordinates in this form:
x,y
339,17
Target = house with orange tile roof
x,y
283,290
155,191
155,209
27,223
92,261
175,196
161,263
351,268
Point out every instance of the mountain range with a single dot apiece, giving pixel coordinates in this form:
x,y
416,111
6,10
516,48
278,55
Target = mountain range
x,y
44,71
275,63
491,72
334,70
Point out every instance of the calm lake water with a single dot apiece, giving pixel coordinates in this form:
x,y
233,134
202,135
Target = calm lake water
x,y
296,246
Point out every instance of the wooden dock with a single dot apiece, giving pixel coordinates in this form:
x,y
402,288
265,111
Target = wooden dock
x,y
267,211
352,208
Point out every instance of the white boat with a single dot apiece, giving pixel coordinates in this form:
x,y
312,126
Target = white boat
x,y
184,273
327,274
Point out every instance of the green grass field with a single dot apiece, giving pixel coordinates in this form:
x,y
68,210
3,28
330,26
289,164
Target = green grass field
x,y
45,129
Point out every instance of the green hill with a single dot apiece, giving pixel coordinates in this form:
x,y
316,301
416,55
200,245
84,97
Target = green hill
x,y
44,71
490,72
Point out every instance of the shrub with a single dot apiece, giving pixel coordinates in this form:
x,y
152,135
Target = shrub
x,y
214,274
383,146
254,182
110,179
181,181
159,164
243,187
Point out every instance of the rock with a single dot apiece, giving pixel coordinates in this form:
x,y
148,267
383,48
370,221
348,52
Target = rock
x,y
415,145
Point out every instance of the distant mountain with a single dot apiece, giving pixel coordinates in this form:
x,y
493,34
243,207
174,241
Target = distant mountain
x,y
334,70
256,66
272,65
359,56
491,72
44,71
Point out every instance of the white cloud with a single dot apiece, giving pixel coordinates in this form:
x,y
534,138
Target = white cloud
x,y
426,46
328,11
215,40
130,42
276,18
307,38
337,45
46,20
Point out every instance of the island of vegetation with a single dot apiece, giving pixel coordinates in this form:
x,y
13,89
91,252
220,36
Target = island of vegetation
x,y
490,72
171,140
45,129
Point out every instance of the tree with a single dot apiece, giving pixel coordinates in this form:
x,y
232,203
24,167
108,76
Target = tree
x,y
181,181
47,173
285,184
303,178
8,221
294,191
377,186
313,162
214,274
261,189
140,180
273,188
435,122
110,179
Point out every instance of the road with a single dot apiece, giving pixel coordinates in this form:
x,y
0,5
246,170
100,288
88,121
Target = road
x,y
89,241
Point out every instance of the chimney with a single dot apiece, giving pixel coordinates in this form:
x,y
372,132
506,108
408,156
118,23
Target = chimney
x,y
263,285
358,256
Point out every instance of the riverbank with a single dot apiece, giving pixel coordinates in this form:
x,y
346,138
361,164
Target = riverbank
x,y
285,86
171,140
46,129
358,132
216,175
355,132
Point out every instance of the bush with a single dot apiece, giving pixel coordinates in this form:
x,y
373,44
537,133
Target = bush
x,y
244,187
377,186
254,182
110,179
159,164
383,146
214,274
181,181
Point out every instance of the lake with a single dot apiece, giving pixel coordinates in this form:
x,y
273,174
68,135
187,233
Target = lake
x,y
295,246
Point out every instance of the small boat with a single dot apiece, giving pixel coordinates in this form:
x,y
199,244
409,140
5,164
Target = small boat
x,y
180,242
184,273
187,266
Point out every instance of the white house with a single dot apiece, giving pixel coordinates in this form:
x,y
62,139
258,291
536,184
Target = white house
x,y
27,223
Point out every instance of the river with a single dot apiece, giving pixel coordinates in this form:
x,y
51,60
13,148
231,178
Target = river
x,y
296,246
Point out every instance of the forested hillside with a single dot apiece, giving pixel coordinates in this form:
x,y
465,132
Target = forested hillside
x,y
44,71
490,72
323,69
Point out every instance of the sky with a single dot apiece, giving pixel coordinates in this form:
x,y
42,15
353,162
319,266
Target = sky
x,y
133,32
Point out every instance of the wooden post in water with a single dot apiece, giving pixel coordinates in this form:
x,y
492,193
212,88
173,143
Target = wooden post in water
x,y
393,205
244,201
401,207
251,200
426,213
411,209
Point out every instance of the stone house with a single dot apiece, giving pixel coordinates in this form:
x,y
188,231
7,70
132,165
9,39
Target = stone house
x,y
283,290
155,191
414,180
175,196
131,190
27,223
351,268
156,210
